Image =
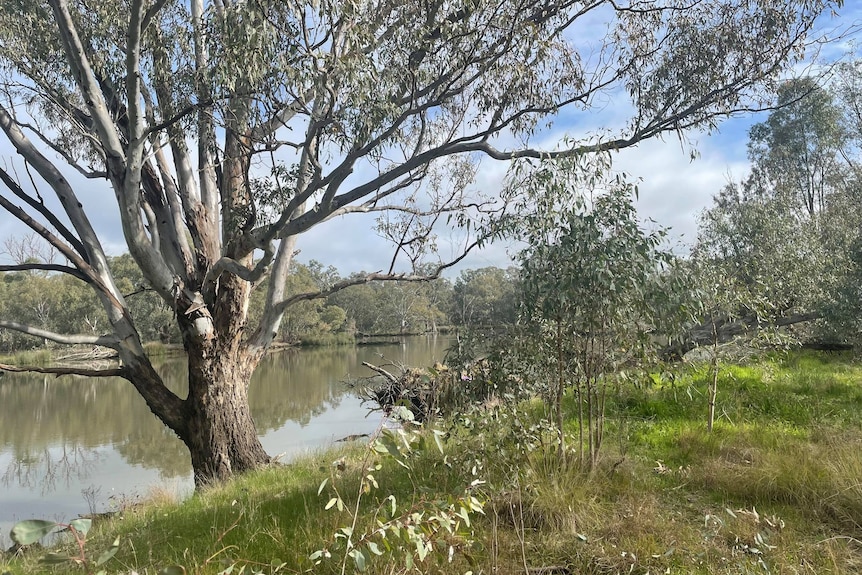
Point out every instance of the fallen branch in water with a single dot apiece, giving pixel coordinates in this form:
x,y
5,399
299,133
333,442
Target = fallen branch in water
x,y
58,371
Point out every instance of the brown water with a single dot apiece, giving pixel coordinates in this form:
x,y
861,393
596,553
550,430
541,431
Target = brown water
x,y
72,445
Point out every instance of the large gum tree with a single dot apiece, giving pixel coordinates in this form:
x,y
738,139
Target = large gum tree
x,y
227,129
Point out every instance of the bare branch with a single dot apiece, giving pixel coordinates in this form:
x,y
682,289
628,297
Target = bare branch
x,y
86,80
374,277
65,154
151,13
45,267
51,175
391,378
229,265
58,371
24,218
281,117
110,341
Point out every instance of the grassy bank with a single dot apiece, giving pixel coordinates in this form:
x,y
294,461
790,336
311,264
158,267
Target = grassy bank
x,y
775,488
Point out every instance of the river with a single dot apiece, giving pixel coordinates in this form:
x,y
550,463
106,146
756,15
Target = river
x,y
74,445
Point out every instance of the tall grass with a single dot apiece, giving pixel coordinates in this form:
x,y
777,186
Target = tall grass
x,y
36,358
327,339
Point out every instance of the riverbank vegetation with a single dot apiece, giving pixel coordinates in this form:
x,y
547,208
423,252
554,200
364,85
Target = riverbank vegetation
x,y
773,488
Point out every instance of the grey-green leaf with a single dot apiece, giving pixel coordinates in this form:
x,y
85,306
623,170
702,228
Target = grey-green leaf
x,y
82,525
110,552
31,530
55,559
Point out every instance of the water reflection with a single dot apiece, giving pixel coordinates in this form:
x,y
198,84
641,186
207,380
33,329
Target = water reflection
x,y
46,469
66,435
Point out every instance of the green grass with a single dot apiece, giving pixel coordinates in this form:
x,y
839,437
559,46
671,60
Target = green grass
x,y
775,488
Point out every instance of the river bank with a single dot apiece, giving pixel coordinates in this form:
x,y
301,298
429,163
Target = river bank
x,y
75,445
774,488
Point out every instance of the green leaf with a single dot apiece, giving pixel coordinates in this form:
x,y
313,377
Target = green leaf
x,y
421,549
81,525
110,552
359,558
331,502
55,559
173,570
31,530
322,485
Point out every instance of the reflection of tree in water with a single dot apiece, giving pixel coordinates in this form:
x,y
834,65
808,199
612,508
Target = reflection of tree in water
x,y
72,410
50,467
159,449
82,414
297,385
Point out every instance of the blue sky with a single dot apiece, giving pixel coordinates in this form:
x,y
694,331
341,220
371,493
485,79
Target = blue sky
x,y
673,188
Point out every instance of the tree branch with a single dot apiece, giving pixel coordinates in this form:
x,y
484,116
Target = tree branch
x,y
24,218
86,80
391,378
110,341
229,265
50,174
373,277
45,267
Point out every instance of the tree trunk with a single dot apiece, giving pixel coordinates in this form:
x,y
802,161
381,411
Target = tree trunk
x,y
219,430
713,384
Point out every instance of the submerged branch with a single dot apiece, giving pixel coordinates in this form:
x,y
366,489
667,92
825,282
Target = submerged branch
x,y
58,371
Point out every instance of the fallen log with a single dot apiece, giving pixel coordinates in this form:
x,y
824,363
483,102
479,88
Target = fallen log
x,y
726,330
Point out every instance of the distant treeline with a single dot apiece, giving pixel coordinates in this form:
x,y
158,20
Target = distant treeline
x,y
62,304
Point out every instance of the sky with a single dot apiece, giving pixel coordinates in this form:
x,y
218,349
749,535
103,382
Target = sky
x,y
673,188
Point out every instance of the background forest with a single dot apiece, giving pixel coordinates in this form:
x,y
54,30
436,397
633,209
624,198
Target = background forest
x,y
780,247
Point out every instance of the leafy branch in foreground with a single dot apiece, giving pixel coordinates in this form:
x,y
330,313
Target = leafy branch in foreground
x,y
32,531
411,531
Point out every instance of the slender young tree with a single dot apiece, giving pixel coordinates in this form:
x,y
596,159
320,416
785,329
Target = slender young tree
x,y
229,128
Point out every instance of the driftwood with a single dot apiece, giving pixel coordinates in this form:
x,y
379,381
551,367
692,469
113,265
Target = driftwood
x,y
405,389
726,330
354,437
58,371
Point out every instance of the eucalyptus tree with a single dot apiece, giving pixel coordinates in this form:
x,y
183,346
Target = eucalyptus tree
x,y
585,287
484,296
796,152
229,129
778,241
